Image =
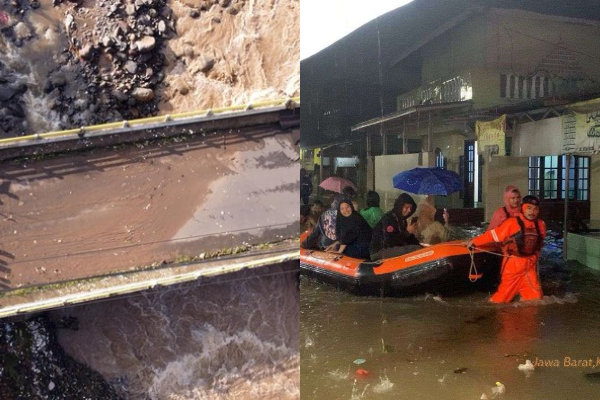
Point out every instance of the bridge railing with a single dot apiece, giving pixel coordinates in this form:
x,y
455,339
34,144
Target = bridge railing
x,y
162,119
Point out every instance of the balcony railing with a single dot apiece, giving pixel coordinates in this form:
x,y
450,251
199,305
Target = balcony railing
x,y
455,89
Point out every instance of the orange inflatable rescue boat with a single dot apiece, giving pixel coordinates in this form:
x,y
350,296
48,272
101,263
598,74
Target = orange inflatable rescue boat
x,y
442,268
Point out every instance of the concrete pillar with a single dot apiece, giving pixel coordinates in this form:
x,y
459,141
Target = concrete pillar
x,y
566,219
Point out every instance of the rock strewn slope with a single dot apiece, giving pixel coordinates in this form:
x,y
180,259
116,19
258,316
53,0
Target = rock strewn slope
x,y
69,64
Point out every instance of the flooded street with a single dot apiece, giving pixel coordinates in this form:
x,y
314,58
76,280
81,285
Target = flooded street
x,y
427,347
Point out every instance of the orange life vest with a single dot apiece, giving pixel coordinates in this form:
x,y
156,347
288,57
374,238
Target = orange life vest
x,y
528,241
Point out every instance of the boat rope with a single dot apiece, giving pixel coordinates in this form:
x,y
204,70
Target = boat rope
x,y
473,275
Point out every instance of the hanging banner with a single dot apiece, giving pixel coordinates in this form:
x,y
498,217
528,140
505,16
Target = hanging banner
x,y
491,137
539,138
581,128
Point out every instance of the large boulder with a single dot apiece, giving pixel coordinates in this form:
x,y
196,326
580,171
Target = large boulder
x,y
142,95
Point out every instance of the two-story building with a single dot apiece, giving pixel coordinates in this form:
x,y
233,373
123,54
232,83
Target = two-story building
x,y
452,65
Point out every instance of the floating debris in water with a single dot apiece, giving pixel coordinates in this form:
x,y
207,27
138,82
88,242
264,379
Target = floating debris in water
x,y
363,373
359,361
442,379
460,370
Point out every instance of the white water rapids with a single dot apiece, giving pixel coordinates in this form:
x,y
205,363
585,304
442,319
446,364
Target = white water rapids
x,y
229,340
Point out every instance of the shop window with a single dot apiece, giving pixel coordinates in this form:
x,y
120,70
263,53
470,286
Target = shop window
x,y
547,175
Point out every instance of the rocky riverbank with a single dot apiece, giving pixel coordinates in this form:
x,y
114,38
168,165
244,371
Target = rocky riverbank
x,y
73,63
34,365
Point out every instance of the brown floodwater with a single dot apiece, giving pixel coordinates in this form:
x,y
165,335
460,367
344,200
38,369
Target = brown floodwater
x,y
429,347
236,336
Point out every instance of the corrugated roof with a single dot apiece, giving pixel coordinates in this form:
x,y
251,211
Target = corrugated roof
x,y
359,76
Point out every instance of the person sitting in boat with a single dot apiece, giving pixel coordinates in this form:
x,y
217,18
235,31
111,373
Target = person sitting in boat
x,y
511,208
522,238
431,230
353,233
323,233
317,209
393,235
372,214
306,220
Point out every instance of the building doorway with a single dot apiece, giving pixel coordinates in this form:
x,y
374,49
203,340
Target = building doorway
x,y
470,170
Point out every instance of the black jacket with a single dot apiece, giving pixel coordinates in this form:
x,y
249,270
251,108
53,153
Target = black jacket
x,y
306,186
391,231
352,229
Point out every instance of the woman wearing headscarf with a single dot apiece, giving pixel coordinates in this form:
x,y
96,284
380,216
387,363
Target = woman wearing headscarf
x,y
324,233
430,230
352,231
511,208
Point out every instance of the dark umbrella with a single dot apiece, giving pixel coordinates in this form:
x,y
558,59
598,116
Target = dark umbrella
x,y
428,181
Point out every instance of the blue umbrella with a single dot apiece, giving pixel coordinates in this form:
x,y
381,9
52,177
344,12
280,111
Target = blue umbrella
x,y
428,181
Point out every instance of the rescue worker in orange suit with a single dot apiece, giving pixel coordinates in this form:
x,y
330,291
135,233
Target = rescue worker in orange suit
x,y
511,208
521,238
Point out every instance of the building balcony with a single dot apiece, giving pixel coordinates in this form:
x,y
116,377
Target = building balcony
x,y
455,89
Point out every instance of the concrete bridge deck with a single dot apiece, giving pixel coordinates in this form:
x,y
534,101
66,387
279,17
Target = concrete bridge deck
x,y
131,201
